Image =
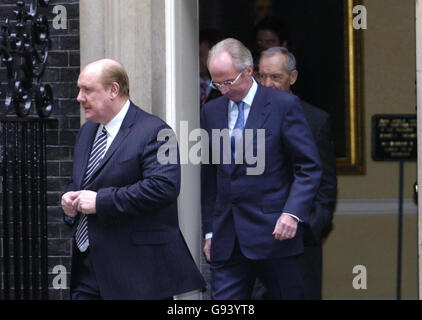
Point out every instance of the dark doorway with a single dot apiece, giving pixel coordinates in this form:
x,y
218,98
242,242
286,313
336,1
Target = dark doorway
x,y
316,33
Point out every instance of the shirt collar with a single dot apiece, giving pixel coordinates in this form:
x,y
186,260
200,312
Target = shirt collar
x,y
248,99
113,126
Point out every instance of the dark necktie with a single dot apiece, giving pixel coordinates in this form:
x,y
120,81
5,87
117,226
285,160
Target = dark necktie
x,y
95,157
240,124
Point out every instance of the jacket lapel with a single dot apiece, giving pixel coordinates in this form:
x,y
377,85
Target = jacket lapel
x,y
87,141
224,120
257,115
223,124
259,110
118,140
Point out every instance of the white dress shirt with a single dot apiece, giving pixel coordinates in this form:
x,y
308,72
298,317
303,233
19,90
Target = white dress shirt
x,y
113,126
233,110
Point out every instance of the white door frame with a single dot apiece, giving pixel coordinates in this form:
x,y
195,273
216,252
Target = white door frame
x,y
182,104
419,120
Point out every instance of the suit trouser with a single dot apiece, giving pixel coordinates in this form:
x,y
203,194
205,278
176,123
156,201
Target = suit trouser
x,y
235,278
84,284
311,263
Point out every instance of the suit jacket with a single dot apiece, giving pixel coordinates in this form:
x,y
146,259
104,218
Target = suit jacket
x,y
213,95
325,199
235,204
136,247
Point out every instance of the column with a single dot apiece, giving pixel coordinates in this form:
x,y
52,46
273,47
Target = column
x,y
419,116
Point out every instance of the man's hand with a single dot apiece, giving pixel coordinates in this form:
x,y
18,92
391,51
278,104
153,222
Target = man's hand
x,y
207,250
85,202
67,203
285,228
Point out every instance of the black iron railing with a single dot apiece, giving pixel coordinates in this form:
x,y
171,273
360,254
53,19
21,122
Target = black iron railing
x,y
23,188
24,52
23,208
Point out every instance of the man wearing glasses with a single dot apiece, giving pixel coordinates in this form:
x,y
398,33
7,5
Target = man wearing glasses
x,y
252,222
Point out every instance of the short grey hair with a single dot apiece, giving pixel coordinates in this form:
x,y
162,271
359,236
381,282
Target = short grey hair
x,y
290,58
242,57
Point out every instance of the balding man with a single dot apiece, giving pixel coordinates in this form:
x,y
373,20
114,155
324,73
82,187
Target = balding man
x,y
121,200
251,220
277,69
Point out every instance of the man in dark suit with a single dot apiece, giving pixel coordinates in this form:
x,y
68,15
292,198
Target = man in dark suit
x,y
277,69
121,201
250,220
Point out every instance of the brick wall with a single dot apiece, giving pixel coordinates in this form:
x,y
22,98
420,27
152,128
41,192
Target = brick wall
x,y
61,73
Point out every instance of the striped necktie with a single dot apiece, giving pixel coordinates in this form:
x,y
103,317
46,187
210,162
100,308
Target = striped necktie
x,y
240,124
97,153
